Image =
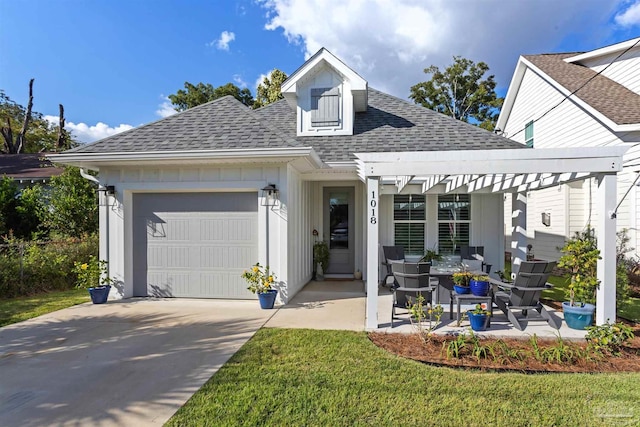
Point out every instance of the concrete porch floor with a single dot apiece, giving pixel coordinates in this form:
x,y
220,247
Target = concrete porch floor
x,y
340,305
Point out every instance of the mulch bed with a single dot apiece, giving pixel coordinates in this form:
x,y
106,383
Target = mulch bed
x,y
432,352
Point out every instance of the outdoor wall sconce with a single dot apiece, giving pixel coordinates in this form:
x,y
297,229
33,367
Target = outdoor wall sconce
x,y
109,190
270,195
546,219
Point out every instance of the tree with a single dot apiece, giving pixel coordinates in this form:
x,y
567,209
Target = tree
x,y
269,90
194,95
21,211
460,92
73,206
36,134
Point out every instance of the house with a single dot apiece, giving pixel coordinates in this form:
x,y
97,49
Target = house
x,y
189,202
578,99
27,169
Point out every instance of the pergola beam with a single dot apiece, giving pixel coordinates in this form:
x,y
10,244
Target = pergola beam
x,y
459,181
402,181
432,181
481,162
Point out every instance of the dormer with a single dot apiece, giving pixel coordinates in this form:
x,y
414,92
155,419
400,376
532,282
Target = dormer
x,y
326,94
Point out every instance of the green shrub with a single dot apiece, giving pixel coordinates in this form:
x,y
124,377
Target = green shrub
x,y
608,338
29,268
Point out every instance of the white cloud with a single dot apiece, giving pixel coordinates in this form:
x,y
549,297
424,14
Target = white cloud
x,y
629,17
390,42
165,109
239,81
260,78
222,43
89,133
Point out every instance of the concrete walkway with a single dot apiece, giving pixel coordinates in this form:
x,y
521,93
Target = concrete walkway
x,y
324,305
129,363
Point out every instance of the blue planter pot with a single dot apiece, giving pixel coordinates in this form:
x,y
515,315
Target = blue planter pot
x,y
461,289
267,299
99,294
478,321
579,316
479,289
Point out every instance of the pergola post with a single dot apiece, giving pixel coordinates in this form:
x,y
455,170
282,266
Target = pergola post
x,y
518,231
606,228
372,218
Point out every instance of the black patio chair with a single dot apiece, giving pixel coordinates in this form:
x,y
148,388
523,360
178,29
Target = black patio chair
x,y
391,253
413,280
524,294
475,253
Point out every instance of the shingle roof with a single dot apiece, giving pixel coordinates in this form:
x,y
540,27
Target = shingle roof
x,y
389,124
220,124
611,99
28,166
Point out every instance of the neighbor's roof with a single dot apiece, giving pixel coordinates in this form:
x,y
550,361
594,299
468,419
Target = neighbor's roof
x,y
611,99
27,166
389,124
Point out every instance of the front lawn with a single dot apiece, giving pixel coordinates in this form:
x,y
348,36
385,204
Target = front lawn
x,y
337,378
14,310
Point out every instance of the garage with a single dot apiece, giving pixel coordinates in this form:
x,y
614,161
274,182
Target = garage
x,y
194,245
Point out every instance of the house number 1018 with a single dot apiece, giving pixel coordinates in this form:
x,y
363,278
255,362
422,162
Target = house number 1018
x,y
373,204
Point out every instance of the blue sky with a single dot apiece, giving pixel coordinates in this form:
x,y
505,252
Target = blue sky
x,y
112,62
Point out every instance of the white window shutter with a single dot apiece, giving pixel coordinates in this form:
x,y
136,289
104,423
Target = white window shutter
x,y
325,107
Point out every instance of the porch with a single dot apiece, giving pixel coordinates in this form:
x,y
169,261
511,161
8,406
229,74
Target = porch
x,y
495,172
340,305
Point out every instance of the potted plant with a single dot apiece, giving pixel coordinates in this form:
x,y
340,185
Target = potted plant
x,y
320,258
478,318
479,285
431,255
579,259
261,282
461,282
93,276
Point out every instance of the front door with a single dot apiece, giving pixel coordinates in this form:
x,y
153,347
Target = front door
x,y
339,228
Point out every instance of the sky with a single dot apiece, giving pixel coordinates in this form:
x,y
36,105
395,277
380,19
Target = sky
x,y
112,63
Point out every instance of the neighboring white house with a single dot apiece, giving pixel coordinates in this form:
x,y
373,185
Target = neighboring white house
x,y
603,110
190,201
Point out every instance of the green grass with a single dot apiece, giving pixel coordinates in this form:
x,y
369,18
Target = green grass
x,y
286,377
14,310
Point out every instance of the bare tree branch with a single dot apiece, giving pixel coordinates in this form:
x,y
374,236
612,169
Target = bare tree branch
x,y
17,147
62,137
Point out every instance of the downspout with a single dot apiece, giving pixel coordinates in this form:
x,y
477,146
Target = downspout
x,y
85,175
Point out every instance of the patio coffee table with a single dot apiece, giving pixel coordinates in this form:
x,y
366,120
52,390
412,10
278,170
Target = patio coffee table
x,y
473,299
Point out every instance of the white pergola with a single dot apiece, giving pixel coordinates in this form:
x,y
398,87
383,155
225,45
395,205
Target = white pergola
x,y
515,171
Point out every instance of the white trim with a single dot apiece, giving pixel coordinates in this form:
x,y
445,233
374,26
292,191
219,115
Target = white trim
x,y
359,86
518,76
618,47
478,162
94,160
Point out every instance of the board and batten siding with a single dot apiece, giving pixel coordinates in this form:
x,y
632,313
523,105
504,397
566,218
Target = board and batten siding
x,y
116,213
300,232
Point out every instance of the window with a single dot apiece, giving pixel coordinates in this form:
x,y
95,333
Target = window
x,y
528,134
454,222
325,107
409,222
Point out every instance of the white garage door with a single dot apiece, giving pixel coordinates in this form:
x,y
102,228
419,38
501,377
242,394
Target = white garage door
x,y
194,245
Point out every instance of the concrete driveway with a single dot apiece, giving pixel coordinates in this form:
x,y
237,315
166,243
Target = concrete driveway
x,y
129,363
